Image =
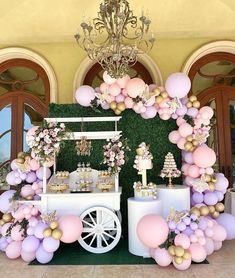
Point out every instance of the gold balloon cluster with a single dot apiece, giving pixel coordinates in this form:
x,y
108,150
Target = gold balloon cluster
x,y
6,218
211,181
213,211
53,231
193,102
118,108
179,254
160,96
22,157
191,144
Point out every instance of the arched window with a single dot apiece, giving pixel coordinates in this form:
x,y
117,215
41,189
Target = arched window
x,y
24,100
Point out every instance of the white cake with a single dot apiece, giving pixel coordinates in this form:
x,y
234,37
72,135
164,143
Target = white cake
x,y
145,164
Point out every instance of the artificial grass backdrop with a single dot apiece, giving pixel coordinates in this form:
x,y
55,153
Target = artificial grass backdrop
x,y
153,131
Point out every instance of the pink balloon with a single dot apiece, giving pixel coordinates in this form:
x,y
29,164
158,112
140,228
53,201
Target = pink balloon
x,y
165,116
162,257
185,129
178,85
71,226
193,171
206,112
122,82
84,95
209,232
184,265
50,162
34,165
28,256
150,112
198,252
16,233
174,136
204,156
181,111
104,87
184,168
13,250
114,90
147,227
209,171
181,143
150,101
108,79
135,87
182,240
26,190
188,180
217,245
180,121
209,246
129,102
220,233
193,238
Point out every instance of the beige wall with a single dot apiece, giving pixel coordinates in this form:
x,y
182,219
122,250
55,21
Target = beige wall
x,y
169,54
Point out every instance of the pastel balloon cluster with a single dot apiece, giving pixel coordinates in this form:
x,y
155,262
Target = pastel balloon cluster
x,y
132,93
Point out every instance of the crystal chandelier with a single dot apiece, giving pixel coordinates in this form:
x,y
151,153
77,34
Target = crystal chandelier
x,y
115,37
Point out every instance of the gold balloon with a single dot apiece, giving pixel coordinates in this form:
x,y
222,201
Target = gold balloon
x,y
30,197
157,91
189,138
117,111
171,250
20,155
20,160
179,251
195,211
164,94
189,104
219,207
47,232
54,225
159,99
215,214
211,209
140,151
195,142
214,179
2,222
57,234
178,260
207,178
187,255
192,98
7,217
113,105
204,210
121,106
192,149
188,146
196,104
211,186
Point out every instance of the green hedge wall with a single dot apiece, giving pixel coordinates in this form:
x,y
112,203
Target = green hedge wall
x,y
136,129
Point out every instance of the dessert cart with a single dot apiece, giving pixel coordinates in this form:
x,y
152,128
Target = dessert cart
x,y
98,210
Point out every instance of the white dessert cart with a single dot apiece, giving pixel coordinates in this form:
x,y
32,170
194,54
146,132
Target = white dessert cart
x,y
99,211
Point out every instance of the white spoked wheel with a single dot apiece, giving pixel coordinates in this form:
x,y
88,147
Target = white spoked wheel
x,y
101,230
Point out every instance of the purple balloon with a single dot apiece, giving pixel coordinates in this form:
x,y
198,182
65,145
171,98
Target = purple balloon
x,y
120,98
210,198
192,112
150,112
10,178
188,231
43,256
152,87
105,105
181,111
202,223
220,195
193,226
30,244
84,95
39,173
188,157
23,176
181,226
3,244
197,197
227,220
174,116
14,166
187,220
5,200
178,85
221,183
50,244
172,225
38,230
31,177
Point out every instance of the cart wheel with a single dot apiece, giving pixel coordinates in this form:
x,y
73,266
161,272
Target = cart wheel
x,y
101,230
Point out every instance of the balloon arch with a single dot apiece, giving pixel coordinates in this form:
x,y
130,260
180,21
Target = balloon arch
x,y
188,236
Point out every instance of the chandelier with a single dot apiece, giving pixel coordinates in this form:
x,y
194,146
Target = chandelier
x,y
115,38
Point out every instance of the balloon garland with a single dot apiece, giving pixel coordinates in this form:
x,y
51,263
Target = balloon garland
x,y
181,238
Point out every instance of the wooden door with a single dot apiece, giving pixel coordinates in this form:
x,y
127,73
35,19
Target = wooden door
x,y
222,100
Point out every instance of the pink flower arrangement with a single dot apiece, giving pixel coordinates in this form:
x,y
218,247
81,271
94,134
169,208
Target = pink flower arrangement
x,y
45,141
114,154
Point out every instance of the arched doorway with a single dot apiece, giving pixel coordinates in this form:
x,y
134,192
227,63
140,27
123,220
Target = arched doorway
x,y
213,81
24,100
